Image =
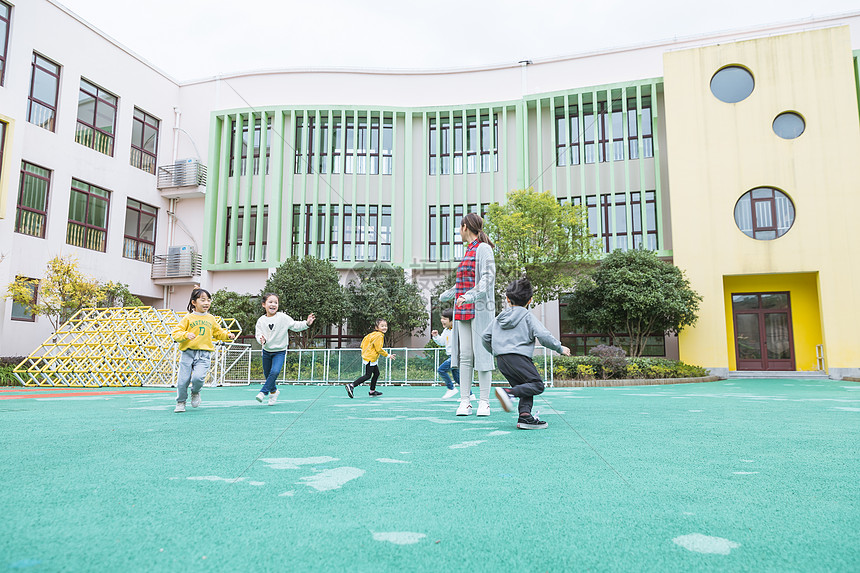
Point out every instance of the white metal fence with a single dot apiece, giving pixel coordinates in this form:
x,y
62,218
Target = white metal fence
x,y
340,365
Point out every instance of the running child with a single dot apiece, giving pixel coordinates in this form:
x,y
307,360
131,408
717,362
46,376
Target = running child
x,y
273,332
511,339
195,333
446,370
371,350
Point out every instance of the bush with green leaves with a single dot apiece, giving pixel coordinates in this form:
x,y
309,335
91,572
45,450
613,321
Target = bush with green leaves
x,y
7,365
612,360
577,367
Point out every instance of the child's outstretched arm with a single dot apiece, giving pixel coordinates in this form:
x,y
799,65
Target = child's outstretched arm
x,y
181,333
219,333
545,336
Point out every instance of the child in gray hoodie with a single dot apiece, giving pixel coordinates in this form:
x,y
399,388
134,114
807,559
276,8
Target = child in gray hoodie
x,y
511,339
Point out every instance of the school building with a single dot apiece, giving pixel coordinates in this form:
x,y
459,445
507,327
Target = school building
x,y
732,155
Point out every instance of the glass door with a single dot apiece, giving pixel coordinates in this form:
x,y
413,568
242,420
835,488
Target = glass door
x,y
763,333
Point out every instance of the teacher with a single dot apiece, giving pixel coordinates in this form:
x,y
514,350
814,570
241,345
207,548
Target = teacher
x,y
474,310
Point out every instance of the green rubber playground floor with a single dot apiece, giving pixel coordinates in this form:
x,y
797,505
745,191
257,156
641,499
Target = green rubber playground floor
x,y
740,475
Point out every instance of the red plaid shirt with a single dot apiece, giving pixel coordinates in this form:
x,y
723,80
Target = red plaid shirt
x,y
466,282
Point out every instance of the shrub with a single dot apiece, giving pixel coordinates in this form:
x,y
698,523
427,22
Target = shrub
x,y
581,367
7,365
612,360
586,372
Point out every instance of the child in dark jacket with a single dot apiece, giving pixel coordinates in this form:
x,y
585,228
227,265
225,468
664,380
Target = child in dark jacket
x,y
511,339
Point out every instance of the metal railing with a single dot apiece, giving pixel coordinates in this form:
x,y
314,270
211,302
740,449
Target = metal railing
x,y
340,365
182,174
181,265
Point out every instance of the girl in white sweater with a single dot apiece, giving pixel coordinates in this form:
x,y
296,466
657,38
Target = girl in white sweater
x,y
273,332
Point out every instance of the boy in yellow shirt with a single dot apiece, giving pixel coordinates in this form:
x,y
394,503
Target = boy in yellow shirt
x,y
371,350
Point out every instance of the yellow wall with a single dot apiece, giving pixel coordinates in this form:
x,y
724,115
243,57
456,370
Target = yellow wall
x,y
6,164
719,151
805,315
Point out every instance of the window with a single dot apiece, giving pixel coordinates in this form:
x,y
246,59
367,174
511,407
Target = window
x,y
732,84
144,141
764,213
5,17
385,234
318,233
347,233
481,145
139,231
333,232
240,230
32,214
20,312
363,154
44,88
257,145
96,118
445,231
789,125
88,212
596,140
599,222
580,343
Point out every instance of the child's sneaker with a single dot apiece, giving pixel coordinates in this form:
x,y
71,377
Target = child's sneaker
x,y
273,397
260,397
195,399
530,423
450,394
180,407
349,390
505,399
483,407
374,393
465,408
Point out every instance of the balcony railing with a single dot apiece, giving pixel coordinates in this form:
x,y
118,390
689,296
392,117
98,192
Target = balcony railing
x,y
189,173
138,250
186,264
86,237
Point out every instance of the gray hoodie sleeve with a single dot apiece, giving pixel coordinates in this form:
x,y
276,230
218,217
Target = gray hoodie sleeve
x,y
487,337
542,334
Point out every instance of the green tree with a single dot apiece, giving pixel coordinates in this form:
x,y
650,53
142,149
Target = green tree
x,y
309,285
63,292
540,238
117,294
382,291
634,293
244,308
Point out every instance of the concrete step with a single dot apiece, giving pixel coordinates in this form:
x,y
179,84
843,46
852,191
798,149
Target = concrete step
x,y
808,375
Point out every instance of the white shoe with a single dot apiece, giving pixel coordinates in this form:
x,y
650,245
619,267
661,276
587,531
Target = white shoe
x,y
505,399
273,397
180,407
195,400
465,408
450,394
483,407
260,397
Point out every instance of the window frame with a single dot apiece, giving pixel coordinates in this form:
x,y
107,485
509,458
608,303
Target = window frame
x,y
140,149
135,241
4,55
31,99
98,103
252,242
20,207
85,225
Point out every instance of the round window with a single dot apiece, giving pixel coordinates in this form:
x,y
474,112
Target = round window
x,y
789,125
732,84
764,213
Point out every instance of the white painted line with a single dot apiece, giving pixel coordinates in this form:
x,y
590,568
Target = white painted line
x,y
399,537
699,543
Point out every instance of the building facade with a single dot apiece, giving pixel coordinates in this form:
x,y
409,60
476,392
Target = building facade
x,y
163,184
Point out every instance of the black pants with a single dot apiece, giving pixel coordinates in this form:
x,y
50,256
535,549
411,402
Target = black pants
x,y
371,372
523,377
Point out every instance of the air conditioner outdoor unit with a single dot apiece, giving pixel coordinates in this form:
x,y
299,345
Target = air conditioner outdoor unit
x,y
179,260
185,172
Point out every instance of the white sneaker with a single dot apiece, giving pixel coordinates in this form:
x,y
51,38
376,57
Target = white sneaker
x,y
260,396
195,400
273,397
465,408
450,394
180,407
505,399
483,407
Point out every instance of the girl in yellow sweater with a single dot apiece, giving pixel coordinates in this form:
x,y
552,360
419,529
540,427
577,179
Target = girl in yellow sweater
x,y
371,350
195,333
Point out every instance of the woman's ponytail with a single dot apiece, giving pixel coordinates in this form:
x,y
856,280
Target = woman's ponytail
x,y
475,224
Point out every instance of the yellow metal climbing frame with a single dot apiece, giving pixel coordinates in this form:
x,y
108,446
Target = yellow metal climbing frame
x,y
129,346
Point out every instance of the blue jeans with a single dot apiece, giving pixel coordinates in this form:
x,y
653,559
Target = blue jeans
x,y
273,363
193,367
443,371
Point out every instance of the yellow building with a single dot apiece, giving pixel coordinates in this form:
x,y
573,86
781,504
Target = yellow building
x,y
763,144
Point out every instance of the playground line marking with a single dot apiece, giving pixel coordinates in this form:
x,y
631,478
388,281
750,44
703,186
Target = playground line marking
x,y
68,394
